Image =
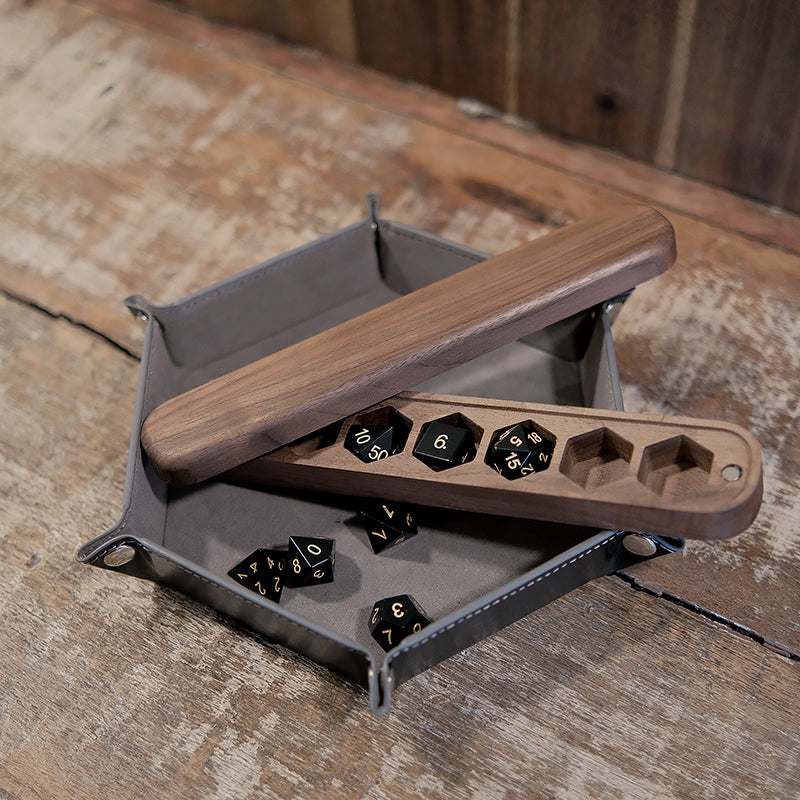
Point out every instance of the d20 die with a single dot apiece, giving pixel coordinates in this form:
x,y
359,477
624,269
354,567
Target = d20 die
x,y
262,571
442,445
388,524
520,450
371,442
310,560
394,618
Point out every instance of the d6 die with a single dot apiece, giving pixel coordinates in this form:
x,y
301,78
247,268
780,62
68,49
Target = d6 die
x,y
310,560
520,450
394,618
442,445
388,524
262,571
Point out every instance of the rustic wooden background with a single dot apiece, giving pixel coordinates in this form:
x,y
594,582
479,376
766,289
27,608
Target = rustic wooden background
x,y
705,87
143,150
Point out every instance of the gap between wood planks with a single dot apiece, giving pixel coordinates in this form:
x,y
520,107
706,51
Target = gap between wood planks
x,y
630,580
639,585
66,318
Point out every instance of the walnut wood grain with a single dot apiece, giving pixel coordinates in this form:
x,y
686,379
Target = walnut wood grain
x,y
638,472
270,402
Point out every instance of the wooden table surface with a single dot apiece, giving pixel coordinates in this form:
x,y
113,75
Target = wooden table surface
x,y
146,151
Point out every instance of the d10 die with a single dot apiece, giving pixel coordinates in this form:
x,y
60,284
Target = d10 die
x,y
394,618
520,450
309,561
262,571
371,442
388,524
442,445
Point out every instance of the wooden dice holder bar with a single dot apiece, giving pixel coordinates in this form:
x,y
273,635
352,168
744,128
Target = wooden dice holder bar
x,y
319,380
656,475
619,471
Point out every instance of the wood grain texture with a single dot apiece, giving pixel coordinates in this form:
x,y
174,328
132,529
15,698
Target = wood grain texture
x,y
327,25
456,46
740,124
596,71
659,475
611,74
604,691
723,340
730,211
214,150
304,387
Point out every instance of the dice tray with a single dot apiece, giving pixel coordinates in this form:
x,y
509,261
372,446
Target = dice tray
x,y
473,574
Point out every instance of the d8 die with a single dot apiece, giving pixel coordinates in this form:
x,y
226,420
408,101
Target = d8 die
x,y
371,442
262,571
388,524
394,618
520,450
310,560
442,444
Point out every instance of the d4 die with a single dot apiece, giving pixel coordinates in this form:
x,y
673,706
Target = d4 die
x,y
263,571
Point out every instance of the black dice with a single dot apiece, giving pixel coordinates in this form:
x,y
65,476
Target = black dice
x,y
445,443
371,442
521,449
394,618
262,571
309,561
378,433
388,524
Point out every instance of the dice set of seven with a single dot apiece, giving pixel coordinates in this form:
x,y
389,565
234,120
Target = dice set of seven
x,y
514,452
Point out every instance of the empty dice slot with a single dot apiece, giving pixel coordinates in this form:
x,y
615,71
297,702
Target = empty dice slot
x,y
596,458
675,466
378,433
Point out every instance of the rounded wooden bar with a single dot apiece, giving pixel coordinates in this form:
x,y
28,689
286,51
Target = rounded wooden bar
x,y
302,388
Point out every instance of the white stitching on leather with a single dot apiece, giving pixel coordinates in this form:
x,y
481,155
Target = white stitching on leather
x,y
506,596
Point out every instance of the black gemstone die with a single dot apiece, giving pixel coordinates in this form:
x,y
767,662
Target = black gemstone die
x,y
521,449
370,442
376,434
394,618
446,443
263,571
388,524
309,561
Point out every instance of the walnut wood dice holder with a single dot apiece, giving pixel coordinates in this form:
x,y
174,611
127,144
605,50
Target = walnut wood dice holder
x,y
470,583
301,388
658,475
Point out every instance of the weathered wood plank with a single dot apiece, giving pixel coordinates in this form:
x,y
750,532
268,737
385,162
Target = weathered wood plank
x,y
722,339
458,47
740,123
724,208
115,687
327,25
598,72
199,161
